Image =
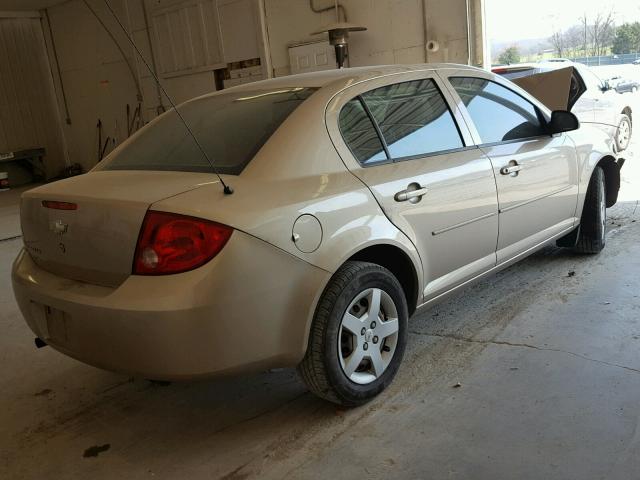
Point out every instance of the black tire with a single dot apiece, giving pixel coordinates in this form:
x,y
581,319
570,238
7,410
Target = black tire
x,y
321,369
623,139
594,216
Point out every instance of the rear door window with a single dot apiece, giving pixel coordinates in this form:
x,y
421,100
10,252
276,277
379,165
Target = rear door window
x,y
499,114
399,121
231,127
414,118
360,134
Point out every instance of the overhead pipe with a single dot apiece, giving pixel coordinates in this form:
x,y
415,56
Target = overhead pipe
x,y
425,30
264,37
468,34
337,8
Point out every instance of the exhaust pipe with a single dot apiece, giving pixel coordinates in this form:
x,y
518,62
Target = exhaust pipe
x,y
40,343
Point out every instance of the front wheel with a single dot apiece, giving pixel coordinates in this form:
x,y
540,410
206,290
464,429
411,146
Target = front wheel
x,y
358,335
591,238
623,134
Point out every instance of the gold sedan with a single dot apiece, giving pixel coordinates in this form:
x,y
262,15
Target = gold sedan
x,y
354,198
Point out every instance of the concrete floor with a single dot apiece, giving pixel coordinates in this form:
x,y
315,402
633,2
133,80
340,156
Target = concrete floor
x,y
547,355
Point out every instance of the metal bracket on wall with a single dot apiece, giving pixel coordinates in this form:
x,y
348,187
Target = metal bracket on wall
x,y
133,122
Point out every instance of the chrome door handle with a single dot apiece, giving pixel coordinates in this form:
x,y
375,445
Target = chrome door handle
x,y
511,169
413,193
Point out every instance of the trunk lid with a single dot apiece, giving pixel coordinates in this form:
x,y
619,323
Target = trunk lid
x,y
96,242
557,88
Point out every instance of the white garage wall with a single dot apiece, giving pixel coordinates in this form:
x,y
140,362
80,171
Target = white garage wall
x,y
28,111
187,39
98,79
397,30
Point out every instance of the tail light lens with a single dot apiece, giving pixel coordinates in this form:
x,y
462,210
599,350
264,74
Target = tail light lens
x,y
59,205
172,243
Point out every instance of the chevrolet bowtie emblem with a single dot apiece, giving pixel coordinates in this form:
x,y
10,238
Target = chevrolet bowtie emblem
x,y
58,227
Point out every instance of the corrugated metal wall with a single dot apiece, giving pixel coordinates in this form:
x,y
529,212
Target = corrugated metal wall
x,y
28,110
186,37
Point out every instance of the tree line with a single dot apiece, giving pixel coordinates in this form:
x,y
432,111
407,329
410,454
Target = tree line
x,y
590,37
596,37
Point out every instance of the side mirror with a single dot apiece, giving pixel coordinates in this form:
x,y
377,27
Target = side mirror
x,y
606,86
562,121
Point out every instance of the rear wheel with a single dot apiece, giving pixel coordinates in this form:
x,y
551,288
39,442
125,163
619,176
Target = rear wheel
x,y
358,335
623,134
594,216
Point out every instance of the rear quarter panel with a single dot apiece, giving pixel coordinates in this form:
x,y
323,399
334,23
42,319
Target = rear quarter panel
x,y
299,172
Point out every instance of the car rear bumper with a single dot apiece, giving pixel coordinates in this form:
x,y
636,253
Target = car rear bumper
x,y
248,309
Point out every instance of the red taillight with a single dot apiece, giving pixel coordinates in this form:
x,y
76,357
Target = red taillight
x,y
59,205
172,243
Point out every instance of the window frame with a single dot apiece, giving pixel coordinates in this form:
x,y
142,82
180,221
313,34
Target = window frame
x,y
544,121
465,144
376,128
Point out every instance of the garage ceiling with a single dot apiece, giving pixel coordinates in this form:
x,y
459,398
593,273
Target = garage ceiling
x,y
28,5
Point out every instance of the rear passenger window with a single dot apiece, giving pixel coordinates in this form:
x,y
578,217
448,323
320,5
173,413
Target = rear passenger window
x,y
359,133
414,118
498,113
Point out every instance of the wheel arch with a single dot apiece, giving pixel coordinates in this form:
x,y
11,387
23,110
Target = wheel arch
x,y
397,262
611,177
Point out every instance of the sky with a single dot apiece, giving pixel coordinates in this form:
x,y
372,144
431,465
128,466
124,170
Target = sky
x,y
509,20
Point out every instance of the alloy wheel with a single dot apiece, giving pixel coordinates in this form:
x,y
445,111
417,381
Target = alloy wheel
x,y
368,336
624,134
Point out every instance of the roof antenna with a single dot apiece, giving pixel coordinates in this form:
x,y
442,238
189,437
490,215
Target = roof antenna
x,y
227,189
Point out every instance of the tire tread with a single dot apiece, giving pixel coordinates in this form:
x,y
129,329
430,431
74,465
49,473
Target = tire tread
x,y
590,239
312,369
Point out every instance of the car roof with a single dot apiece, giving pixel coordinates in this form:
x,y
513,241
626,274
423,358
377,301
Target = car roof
x,y
344,76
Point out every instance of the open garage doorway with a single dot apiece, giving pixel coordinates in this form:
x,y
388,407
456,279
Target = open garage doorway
x,y
601,40
31,144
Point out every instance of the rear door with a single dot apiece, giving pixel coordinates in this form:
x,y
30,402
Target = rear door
x,y
536,173
399,135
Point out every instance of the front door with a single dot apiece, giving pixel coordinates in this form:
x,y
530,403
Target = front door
x,y
536,173
404,142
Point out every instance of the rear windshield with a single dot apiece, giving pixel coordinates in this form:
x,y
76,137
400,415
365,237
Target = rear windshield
x,y
519,73
231,128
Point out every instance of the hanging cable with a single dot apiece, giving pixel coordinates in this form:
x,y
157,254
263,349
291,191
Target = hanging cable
x,y
124,56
